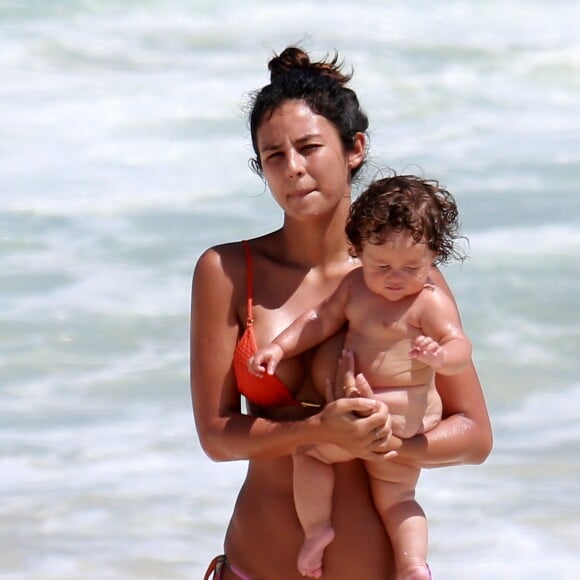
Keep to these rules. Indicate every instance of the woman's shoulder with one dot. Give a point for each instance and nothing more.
(229, 259)
(232, 251)
(221, 266)
(221, 253)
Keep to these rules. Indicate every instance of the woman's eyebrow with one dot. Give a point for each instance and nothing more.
(300, 141)
(308, 137)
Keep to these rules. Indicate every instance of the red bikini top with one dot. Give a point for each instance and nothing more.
(266, 391)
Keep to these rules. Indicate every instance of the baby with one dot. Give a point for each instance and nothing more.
(402, 329)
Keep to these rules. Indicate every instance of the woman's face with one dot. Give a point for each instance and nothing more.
(304, 162)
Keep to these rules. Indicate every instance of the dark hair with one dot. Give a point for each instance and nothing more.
(321, 85)
(409, 204)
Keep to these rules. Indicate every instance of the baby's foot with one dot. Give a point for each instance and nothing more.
(310, 555)
(415, 572)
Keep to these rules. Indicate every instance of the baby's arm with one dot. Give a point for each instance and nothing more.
(308, 330)
(266, 359)
(443, 346)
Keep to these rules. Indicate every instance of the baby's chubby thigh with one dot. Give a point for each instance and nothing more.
(328, 453)
(392, 482)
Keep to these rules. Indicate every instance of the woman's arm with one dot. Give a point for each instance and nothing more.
(226, 434)
(464, 435)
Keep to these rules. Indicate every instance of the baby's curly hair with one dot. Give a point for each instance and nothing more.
(408, 204)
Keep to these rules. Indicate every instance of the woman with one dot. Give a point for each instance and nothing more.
(308, 133)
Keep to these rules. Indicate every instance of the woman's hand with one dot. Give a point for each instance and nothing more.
(357, 422)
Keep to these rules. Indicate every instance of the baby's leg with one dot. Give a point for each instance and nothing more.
(313, 486)
(403, 517)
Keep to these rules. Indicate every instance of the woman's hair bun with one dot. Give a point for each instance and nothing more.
(294, 58)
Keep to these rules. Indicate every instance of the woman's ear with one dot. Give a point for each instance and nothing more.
(358, 152)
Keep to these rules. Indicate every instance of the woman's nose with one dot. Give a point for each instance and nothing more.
(295, 165)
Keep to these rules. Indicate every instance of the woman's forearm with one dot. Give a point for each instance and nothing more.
(464, 435)
(456, 440)
(237, 436)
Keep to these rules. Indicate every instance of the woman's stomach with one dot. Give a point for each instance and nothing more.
(264, 534)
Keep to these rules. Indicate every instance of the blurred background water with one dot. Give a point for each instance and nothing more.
(123, 154)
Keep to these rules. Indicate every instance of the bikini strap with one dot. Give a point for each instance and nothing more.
(216, 566)
(249, 283)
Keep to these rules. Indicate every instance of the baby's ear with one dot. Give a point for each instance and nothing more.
(352, 251)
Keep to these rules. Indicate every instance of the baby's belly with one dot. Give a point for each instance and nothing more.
(415, 409)
(404, 384)
(389, 365)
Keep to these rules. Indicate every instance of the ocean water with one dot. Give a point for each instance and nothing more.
(123, 154)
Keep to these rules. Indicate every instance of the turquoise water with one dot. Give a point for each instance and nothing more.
(123, 154)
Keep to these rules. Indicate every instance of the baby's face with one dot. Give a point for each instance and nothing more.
(397, 268)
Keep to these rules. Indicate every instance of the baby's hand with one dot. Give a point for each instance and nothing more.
(265, 360)
(428, 351)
